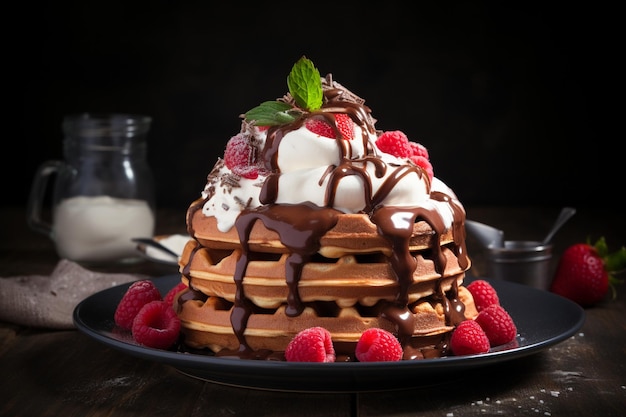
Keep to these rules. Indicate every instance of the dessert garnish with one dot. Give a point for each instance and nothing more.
(469, 338)
(156, 325)
(136, 296)
(378, 345)
(497, 325)
(150, 318)
(484, 294)
(311, 345)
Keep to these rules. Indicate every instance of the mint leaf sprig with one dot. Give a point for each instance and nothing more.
(305, 86)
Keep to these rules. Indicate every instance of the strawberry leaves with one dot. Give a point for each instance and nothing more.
(305, 86)
(614, 262)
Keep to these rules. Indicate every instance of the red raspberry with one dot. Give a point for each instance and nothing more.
(311, 345)
(344, 124)
(240, 157)
(497, 325)
(425, 164)
(156, 325)
(417, 149)
(169, 297)
(469, 339)
(395, 143)
(250, 171)
(484, 294)
(137, 295)
(378, 345)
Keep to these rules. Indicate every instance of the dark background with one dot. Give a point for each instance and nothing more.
(518, 104)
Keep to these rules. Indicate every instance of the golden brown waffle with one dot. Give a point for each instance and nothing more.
(343, 288)
(353, 234)
(207, 324)
(350, 279)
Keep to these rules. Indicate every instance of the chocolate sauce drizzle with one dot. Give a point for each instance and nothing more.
(300, 226)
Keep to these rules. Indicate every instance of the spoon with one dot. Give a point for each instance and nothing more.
(155, 244)
(566, 213)
(489, 236)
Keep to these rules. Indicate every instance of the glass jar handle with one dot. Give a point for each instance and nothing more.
(36, 197)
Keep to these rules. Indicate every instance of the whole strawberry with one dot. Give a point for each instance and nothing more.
(585, 272)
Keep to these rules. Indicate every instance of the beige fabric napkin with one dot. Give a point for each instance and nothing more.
(49, 301)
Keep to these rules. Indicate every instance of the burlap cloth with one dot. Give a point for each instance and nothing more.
(49, 301)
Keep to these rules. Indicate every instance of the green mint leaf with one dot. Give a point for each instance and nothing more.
(305, 85)
(271, 113)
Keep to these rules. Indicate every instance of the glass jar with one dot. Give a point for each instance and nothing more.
(103, 193)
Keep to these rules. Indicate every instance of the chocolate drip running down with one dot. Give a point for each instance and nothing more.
(301, 226)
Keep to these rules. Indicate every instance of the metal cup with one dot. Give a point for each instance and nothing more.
(521, 261)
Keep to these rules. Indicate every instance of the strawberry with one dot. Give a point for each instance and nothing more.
(156, 325)
(585, 272)
(311, 345)
(468, 338)
(497, 325)
(378, 345)
(136, 296)
(344, 124)
(483, 293)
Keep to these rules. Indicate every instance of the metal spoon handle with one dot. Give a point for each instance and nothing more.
(154, 244)
(564, 216)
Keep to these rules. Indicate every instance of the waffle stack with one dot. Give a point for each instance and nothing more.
(347, 286)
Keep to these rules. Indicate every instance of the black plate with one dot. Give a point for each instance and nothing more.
(543, 319)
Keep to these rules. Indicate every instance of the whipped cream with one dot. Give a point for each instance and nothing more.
(351, 176)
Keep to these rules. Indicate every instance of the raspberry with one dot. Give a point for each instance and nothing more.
(468, 339)
(425, 164)
(249, 171)
(311, 345)
(169, 297)
(136, 296)
(378, 345)
(156, 325)
(240, 156)
(344, 124)
(417, 149)
(497, 325)
(484, 294)
(394, 142)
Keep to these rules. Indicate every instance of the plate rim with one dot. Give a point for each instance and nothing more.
(290, 376)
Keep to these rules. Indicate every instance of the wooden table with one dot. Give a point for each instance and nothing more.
(66, 373)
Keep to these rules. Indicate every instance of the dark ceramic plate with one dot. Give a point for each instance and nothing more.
(543, 319)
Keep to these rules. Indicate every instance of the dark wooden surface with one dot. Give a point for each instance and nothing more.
(65, 373)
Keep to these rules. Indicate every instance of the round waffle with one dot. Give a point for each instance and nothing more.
(343, 288)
